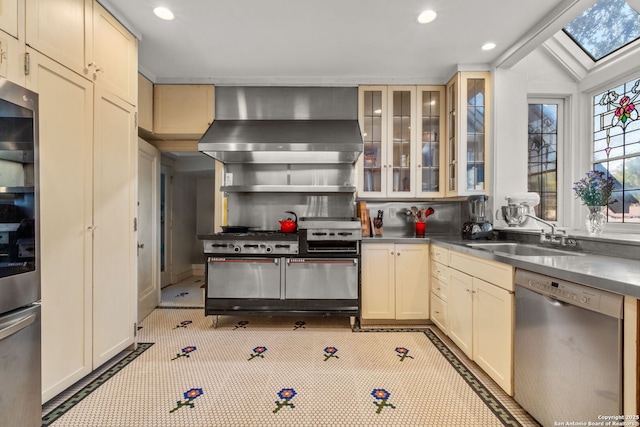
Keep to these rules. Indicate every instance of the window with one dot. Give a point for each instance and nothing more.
(605, 27)
(616, 148)
(544, 139)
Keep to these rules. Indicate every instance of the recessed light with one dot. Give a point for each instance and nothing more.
(163, 13)
(427, 16)
(488, 46)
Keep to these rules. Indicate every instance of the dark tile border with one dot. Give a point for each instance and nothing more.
(505, 417)
(85, 391)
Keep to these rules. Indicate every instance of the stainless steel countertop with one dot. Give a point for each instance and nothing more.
(615, 274)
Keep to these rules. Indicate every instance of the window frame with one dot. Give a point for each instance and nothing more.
(561, 141)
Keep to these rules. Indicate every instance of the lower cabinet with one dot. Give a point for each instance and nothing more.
(478, 315)
(395, 281)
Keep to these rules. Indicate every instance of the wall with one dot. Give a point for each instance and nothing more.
(184, 224)
(536, 75)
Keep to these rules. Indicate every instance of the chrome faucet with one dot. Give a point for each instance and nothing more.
(555, 233)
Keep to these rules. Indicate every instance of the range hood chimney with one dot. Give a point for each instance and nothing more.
(284, 125)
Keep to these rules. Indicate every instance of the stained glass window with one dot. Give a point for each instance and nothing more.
(543, 157)
(616, 149)
(605, 27)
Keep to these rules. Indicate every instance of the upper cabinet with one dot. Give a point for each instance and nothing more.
(430, 156)
(468, 111)
(9, 17)
(182, 111)
(115, 56)
(145, 103)
(63, 31)
(84, 37)
(401, 128)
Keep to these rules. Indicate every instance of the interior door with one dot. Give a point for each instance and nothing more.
(148, 228)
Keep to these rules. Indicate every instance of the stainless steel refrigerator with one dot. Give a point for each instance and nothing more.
(20, 344)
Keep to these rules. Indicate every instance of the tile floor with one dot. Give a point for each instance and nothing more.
(282, 371)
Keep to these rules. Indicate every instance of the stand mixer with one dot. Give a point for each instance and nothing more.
(477, 227)
(517, 209)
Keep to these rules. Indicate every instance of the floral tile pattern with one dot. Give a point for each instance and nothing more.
(240, 365)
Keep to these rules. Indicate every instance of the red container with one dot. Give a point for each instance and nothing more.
(288, 226)
(420, 228)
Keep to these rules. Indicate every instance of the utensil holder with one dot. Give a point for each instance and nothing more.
(421, 227)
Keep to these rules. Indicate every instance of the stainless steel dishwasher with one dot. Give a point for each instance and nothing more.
(567, 350)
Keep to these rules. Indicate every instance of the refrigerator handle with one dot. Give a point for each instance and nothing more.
(17, 326)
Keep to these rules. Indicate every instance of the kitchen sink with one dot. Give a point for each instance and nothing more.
(520, 249)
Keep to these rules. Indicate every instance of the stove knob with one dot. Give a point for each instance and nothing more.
(268, 249)
(236, 249)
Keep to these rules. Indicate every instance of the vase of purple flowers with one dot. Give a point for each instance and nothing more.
(595, 192)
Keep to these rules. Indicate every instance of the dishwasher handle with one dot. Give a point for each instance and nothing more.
(17, 326)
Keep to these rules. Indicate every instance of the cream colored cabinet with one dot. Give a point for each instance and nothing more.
(84, 37)
(395, 281)
(430, 156)
(182, 111)
(115, 56)
(63, 31)
(402, 127)
(87, 177)
(388, 122)
(9, 17)
(481, 314)
(66, 181)
(12, 59)
(145, 104)
(440, 279)
(114, 238)
(468, 125)
(493, 319)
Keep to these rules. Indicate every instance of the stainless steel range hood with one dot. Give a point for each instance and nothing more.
(284, 125)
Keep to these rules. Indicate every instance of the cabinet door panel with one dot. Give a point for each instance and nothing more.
(66, 131)
(62, 31)
(12, 59)
(412, 282)
(493, 332)
(182, 110)
(378, 289)
(372, 165)
(9, 17)
(115, 56)
(114, 272)
(460, 306)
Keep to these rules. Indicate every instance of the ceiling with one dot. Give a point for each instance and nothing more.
(334, 42)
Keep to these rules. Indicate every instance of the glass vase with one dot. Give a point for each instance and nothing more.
(595, 220)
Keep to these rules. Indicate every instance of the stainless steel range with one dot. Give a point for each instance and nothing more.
(315, 271)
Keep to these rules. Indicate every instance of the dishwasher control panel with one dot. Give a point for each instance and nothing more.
(573, 293)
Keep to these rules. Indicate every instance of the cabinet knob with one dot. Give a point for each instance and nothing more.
(392, 253)
(398, 253)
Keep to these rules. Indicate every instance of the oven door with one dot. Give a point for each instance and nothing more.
(247, 277)
(321, 278)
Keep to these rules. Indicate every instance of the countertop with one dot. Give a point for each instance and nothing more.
(615, 274)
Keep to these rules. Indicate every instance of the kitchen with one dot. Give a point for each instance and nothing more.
(532, 70)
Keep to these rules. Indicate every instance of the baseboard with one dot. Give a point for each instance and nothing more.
(197, 269)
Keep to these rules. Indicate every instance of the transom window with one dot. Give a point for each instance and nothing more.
(605, 27)
(616, 148)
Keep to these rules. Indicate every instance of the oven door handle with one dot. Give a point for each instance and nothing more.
(322, 261)
(275, 261)
(17, 326)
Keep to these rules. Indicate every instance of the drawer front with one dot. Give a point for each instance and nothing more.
(440, 272)
(494, 272)
(439, 313)
(440, 255)
(440, 288)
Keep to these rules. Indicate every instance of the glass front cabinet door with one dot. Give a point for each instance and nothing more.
(430, 154)
(372, 165)
(402, 127)
(468, 133)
